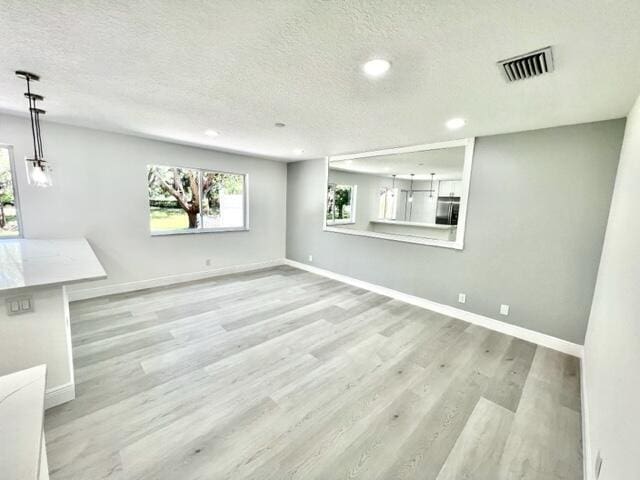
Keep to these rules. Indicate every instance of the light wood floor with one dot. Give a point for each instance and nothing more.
(281, 374)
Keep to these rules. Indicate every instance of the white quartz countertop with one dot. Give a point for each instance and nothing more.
(21, 417)
(38, 262)
(415, 224)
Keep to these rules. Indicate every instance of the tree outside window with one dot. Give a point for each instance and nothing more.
(341, 203)
(193, 199)
(9, 225)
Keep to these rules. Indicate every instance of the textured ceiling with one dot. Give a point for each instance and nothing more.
(172, 69)
(446, 163)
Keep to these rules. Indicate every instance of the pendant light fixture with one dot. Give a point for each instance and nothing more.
(38, 169)
(411, 188)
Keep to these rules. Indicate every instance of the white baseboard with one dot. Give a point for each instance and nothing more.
(490, 323)
(586, 437)
(86, 293)
(59, 395)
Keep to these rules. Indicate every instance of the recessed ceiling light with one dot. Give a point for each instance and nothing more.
(298, 151)
(456, 123)
(211, 133)
(376, 67)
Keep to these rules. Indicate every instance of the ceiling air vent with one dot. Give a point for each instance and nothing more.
(528, 65)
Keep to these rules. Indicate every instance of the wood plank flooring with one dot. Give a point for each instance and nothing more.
(282, 374)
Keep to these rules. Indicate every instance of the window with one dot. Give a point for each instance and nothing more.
(9, 218)
(341, 204)
(190, 200)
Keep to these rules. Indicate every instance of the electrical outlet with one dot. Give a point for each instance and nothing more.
(462, 298)
(18, 305)
(598, 465)
(504, 309)
(311, 258)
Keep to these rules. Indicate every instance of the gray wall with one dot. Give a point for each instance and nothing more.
(537, 213)
(100, 192)
(612, 347)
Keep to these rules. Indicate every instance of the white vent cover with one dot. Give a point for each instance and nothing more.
(528, 65)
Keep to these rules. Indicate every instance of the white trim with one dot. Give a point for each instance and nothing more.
(16, 193)
(586, 432)
(86, 293)
(67, 332)
(466, 183)
(59, 395)
(487, 322)
(354, 204)
(410, 149)
(197, 231)
(458, 243)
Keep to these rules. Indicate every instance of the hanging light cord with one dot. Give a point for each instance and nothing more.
(34, 115)
(33, 119)
(38, 135)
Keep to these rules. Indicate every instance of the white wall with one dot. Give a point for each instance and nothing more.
(366, 208)
(37, 337)
(100, 192)
(612, 346)
(424, 206)
(367, 198)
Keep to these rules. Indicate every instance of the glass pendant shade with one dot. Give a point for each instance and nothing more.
(38, 173)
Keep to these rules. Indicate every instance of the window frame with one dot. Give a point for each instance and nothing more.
(16, 194)
(191, 231)
(353, 204)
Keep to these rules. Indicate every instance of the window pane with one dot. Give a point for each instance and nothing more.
(223, 204)
(331, 190)
(8, 206)
(342, 202)
(173, 198)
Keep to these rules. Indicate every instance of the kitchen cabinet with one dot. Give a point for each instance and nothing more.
(450, 188)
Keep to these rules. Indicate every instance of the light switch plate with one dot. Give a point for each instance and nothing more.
(462, 298)
(18, 305)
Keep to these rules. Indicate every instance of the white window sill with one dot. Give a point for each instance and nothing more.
(195, 231)
(346, 222)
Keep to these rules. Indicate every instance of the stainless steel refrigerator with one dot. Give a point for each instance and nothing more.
(447, 210)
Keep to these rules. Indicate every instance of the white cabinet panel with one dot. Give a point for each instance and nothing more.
(450, 188)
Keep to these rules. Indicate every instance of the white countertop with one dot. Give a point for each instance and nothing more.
(31, 262)
(415, 224)
(21, 417)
